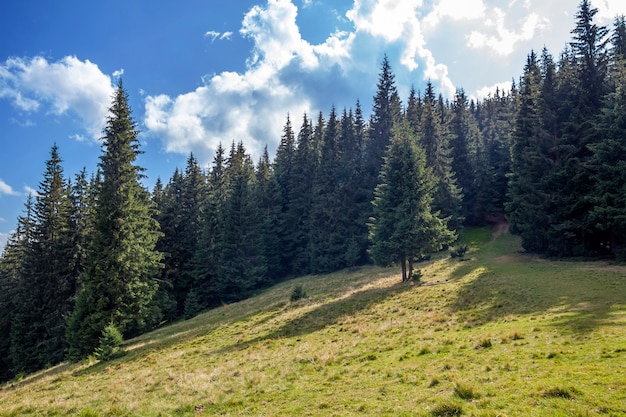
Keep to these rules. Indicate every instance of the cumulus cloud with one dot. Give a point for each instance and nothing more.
(65, 87)
(6, 189)
(251, 106)
(501, 39)
(490, 91)
(454, 10)
(609, 9)
(397, 21)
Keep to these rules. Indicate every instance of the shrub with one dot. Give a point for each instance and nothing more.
(298, 293)
(458, 251)
(110, 342)
(447, 410)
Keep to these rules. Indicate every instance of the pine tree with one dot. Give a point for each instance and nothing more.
(122, 267)
(527, 209)
(298, 215)
(240, 266)
(267, 196)
(283, 169)
(205, 260)
(386, 112)
(404, 226)
(46, 295)
(465, 141)
(608, 171)
(434, 139)
(326, 243)
(15, 268)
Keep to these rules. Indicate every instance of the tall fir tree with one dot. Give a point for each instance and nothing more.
(46, 295)
(240, 266)
(205, 259)
(465, 141)
(298, 215)
(267, 196)
(528, 206)
(15, 268)
(435, 141)
(404, 226)
(386, 112)
(122, 267)
(326, 243)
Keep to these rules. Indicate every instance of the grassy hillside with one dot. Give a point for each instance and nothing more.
(496, 334)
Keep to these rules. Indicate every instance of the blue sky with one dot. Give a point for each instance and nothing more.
(203, 72)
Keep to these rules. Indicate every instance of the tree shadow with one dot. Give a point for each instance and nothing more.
(325, 314)
(580, 295)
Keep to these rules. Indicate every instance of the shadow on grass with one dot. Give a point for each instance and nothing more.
(326, 314)
(579, 295)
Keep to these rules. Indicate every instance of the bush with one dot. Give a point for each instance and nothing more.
(458, 251)
(110, 342)
(298, 293)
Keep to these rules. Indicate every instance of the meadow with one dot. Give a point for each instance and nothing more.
(495, 333)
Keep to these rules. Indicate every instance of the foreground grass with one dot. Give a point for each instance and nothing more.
(497, 334)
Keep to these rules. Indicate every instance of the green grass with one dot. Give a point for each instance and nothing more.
(496, 333)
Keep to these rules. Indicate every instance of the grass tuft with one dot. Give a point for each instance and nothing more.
(465, 392)
(449, 409)
(559, 392)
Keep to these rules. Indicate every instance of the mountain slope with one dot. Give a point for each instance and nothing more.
(499, 333)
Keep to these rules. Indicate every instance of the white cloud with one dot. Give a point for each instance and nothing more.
(280, 79)
(504, 41)
(490, 91)
(397, 21)
(218, 35)
(609, 9)
(30, 191)
(118, 73)
(454, 10)
(68, 86)
(6, 189)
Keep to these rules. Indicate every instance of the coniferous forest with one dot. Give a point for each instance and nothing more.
(99, 251)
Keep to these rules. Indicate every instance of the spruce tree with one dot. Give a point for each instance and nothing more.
(205, 259)
(434, 139)
(386, 112)
(122, 266)
(240, 266)
(608, 171)
(465, 141)
(404, 226)
(298, 215)
(326, 236)
(527, 209)
(267, 196)
(46, 294)
(15, 268)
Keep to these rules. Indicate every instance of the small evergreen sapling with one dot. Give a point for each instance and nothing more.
(110, 344)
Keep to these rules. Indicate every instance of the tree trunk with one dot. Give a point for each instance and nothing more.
(404, 269)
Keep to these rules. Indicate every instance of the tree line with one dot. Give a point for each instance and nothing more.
(341, 191)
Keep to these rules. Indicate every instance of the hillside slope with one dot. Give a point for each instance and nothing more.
(499, 333)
